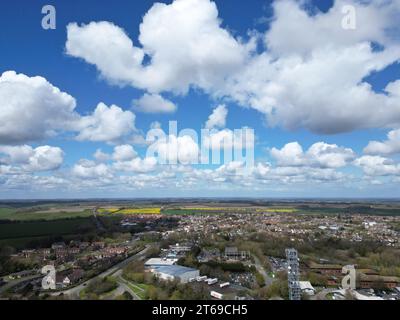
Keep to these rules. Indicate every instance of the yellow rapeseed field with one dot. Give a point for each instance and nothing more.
(140, 211)
(130, 210)
(278, 210)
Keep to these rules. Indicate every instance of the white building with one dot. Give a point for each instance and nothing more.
(306, 287)
(172, 272)
(341, 295)
(158, 262)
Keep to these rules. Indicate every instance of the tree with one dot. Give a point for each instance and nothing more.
(259, 279)
(151, 293)
(189, 261)
(125, 296)
(176, 295)
(278, 288)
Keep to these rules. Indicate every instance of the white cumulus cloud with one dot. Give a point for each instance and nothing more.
(310, 73)
(184, 40)
(378, 166)
(86, 169)
(32, 109)
(153, 103)
(390, 146)
(28, 159)
(108, 124)
(174, 150)
(124, 153)
(217, 118)
(147, 164)
(320, 154)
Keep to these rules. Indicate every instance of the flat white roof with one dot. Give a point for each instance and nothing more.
(174, 271)
(160, 262)
(357, 295)
(305, 285)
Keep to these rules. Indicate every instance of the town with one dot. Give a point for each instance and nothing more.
(210, 251)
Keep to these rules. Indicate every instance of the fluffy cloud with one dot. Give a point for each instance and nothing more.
(181, 39)
(108, 47)
(86, 169)
(16, 154)
(29, 182)
(217, 118)
(124, 153)
(45, 158)
(235, 174)
(291, 175)
(174, 150)
(227, 139)
(390, 146)
(32, 108)
(147, 164)
(378, 166)
(331, 97)
(330, 155)
(290, 155)
(28, 159)
(292, 23)
(106, 124)
(331, 62)
(320, 154)
(101, 156)
(153, 103)
(301, 175)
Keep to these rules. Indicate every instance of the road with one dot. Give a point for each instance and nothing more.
(267, 279)
(99, 224)
(73, 293)
(122, 287)
(124, 284)
(13, 283)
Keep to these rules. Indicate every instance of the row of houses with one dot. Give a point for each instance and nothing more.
(366, 278)
(69, 277)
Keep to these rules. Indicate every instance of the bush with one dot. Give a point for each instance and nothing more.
(101, 286)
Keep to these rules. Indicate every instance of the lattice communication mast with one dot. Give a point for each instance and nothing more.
(293, 274)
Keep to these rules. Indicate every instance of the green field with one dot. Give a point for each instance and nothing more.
(19, 234)
(6, 213)
(27, 215)
(20, 243)
(138, 289)
(186, 212)
(351, 210)
(42, 228)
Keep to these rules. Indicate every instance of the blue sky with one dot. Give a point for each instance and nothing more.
(323, 101)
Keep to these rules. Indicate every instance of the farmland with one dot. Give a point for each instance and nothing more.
(28, 214)
(42, 228)
(6, 213)
(20, 233)
(277, 210)
(130, 210)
